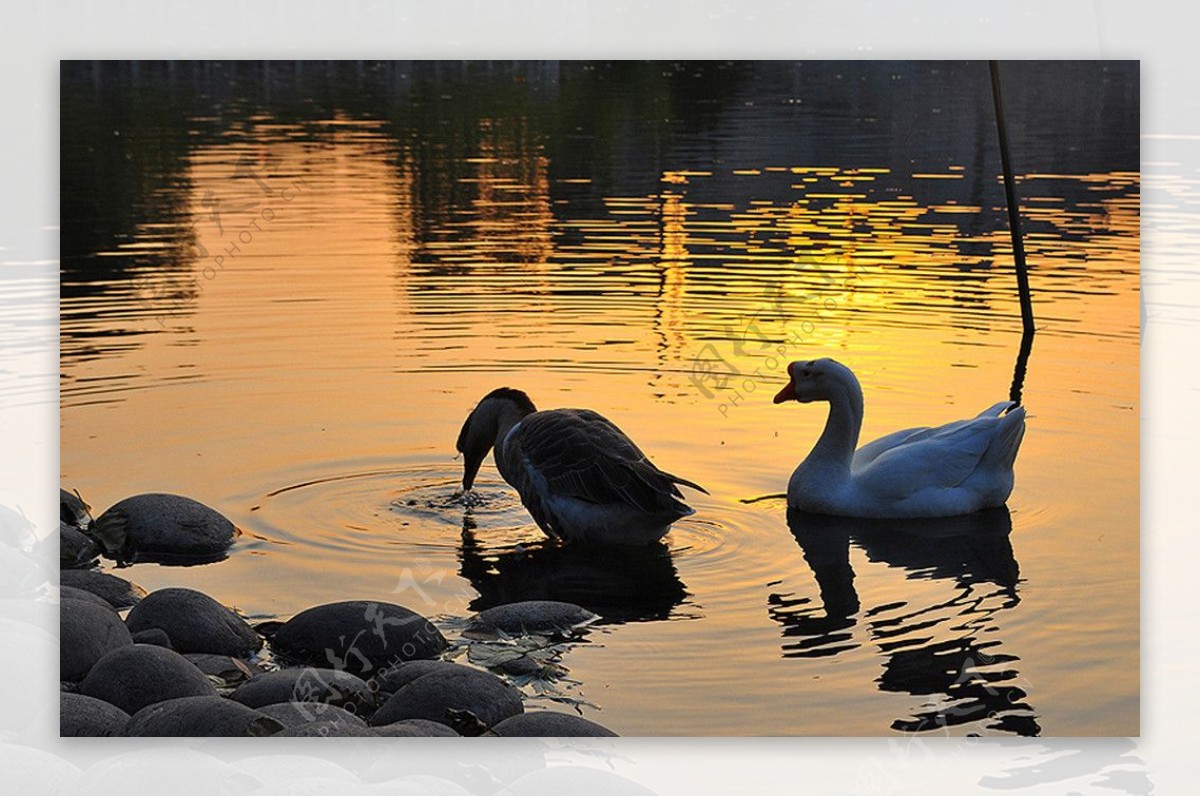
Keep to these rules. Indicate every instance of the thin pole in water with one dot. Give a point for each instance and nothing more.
(1014, 226)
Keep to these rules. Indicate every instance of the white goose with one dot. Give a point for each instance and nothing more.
(581, 478)
(942, 471)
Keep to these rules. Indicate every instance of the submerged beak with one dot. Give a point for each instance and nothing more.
(471, 465)
(787, 394)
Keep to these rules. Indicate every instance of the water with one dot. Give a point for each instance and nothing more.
(644, 240)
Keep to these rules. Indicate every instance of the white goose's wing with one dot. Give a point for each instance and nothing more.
(581, 454)
(938, 457)
(871, 451)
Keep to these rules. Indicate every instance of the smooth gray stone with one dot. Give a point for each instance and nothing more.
(72, 510)
(444, 695)
(307, 684)
(549, 723)
(414, 728)
(119, 593)
(229, 669)
(81, 715)
(76, 594)
(293, 713)
(160, 527)
(200, 716)
(390, 680)
(87, 633)
(331, 728)
(135, 676)
(153, 636)
(528, 617)
(357, 636)
(75, 549)
(195, 622)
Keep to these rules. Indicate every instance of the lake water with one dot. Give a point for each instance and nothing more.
(284, 286)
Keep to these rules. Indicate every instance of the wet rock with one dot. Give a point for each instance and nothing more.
(292, 714)
(135, 676)
(528, 617)
(200, 716)
(228, 669)
(414, 728)
(357, 636)
(467, 700)
(195, 622)
(159, 527)
(119, 593)
(87, 633)
(75, 549)
(330, 728)
(391, 680)
(549, 723)
(153, 636)
(72, 510)
(80, 715)
(521, 666)
(72, 593)
(307, 685)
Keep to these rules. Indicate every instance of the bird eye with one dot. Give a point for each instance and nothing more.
(805, 372)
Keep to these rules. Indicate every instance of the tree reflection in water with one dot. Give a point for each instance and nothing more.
(945, 652)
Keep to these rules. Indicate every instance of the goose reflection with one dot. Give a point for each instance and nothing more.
(620, 583)
(946, 652)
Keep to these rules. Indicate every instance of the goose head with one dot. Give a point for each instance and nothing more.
(493, 417)
(816, 380)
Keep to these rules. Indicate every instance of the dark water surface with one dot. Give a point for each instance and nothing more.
(284, 285)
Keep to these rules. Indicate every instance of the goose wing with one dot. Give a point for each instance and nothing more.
(871, 451)
(940, 457)
(583, 455)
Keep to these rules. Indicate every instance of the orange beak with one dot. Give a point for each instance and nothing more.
(788, 393)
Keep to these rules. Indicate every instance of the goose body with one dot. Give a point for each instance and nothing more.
(581, 478)
(941, 471)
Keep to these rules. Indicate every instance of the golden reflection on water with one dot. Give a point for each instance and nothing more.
(375, 301)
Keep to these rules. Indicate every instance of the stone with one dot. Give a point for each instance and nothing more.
(200, 716)
(391, 680)
(153, 636)
(75, 594)
(293, 713)
(81, 715)
(357, 636)
(75, 548)
(467, 700)
(549, 723)
(160, 527)
(72, 510)
(414, 728)
(119, 593)
(529, 617)
(87, 633)
(330, 728)
(228, 669)
(195, 622)
(135, 676)
(307, 685)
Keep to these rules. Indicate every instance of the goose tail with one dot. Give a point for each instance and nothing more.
(1010, 429)
(685, 482)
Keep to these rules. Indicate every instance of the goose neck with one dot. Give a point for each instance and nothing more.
(840, 438)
